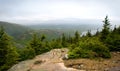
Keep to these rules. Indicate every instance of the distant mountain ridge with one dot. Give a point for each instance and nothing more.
(14, 29)
(68, 29)
(21, 31)
(24, 33)
(18, 32)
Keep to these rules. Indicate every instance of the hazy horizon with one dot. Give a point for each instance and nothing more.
(38, 11)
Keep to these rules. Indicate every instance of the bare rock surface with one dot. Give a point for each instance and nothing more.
(53, 61)
(50, 61)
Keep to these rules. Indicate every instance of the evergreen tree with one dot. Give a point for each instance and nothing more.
(63, 40)
(70, 39)
(114, 30)
(118, 30)
(77, 37)
(89, 33)
(43, 37)
(48, 45)
(106, 29)
(97, 33)
(8, 54)
(26, 53)
(113, 40)
(35, 43)
(38, 45)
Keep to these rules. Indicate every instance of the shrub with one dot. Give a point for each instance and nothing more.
(90, 48)
(26, 53)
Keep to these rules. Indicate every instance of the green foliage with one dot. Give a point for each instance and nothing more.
(43, 48)
(97, 33)
(35, 47)
(70, 39)
(80, 53)
(43, 37)
(8, 54)
(77, 37)
(64, 39)
(106, 23)
(106, 29)
(90, 48)
(110, 38)
(56, 44)
(98, 45)
(89, 33)
(113, 40)
(26, 53)
(35, 44)
(38, 44)
(18, 32)
(101, 50)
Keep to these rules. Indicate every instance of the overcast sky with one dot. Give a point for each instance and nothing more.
(25, 11)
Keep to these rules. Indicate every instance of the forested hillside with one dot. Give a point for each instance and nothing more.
(24, 34)
(14, 29)
(18, 32)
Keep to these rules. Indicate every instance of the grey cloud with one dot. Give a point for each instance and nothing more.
(11, 8)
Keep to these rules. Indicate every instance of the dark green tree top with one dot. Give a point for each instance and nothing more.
(106, 24)
(77, 37)
(8, 53)
(89, 33)
(106, 29)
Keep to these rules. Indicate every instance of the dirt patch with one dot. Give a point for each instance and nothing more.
(112, 64)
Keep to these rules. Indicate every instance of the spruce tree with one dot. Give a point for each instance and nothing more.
(89, 33)
(27, 53)
(70, 39)
(43, 37)
(106, 29)
(97, 33)
(8, 54)
(38, 44)
(114, 30)
(77, 37)
(34, 43)
(63, 40)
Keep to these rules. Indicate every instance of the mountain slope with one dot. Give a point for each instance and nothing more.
(14, 29)
(68, 26)
(18, 32)
(24, 34)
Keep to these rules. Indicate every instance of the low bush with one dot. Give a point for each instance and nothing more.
(90, 48)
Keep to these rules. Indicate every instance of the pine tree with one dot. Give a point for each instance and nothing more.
(8, 54)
